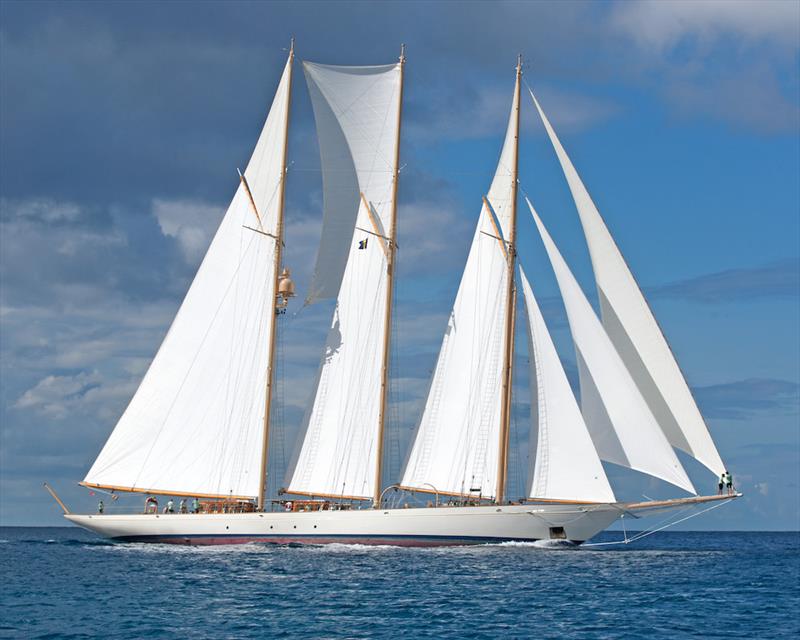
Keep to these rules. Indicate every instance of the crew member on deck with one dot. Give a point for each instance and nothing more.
(170, 506)
(195, 505)
(728, 482)
(721, 484)
(100, 507)
(182, 505)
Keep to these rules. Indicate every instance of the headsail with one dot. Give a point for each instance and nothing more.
(564, 463)
(356, 111)
(456, 446)
(622, 426)
(633, 329)
(195, 425)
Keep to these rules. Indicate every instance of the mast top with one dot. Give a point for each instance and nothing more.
(291, 46)
(519, 64)
(402, 54)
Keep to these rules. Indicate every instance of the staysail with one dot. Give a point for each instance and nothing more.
(195, 424)
(456, 446)
(564, 463)
(621, 423)
(633, 329)
(356, 111)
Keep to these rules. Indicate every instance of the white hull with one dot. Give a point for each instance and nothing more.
(400, 527)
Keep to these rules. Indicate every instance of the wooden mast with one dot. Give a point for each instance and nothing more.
(273, 332)
(387, 320)
(511, 297)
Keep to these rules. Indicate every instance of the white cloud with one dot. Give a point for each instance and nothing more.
(191, 222)
(44, 209)
(86, 393)
(658, 25)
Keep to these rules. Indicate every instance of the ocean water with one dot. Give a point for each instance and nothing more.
(67, 583)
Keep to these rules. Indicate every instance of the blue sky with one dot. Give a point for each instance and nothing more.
(122, 125)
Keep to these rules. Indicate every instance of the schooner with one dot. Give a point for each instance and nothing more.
(199, 424)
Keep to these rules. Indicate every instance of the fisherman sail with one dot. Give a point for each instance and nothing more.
(199, 424)
(357, 110)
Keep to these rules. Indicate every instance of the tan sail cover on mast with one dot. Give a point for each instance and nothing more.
(633, 329)
(195, 424)
(623, 428)
(455, 449)
(563, 461)
(355, 109)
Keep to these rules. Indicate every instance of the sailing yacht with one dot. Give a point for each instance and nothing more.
(199, 424)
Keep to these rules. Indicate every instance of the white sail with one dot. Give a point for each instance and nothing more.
(195, 425)
(633, 329)
(455, 449)
(564, 463)
(621, 423)
(356, 114)
(355, 109)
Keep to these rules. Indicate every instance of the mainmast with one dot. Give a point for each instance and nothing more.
(273, 331)
(511, 297)
(387, 322)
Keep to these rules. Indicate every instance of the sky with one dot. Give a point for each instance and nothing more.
(122, 124)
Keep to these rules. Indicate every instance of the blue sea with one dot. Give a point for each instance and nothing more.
(67, 583)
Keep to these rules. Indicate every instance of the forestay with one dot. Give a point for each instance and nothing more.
(356, 112)
(633, 329)
(195, 425)
(455, 449)
(564, 463)
(622, 426)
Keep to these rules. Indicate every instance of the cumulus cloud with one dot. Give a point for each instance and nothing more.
(659, 25)
(191, 222)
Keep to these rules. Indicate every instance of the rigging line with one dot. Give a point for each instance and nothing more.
(650, 532)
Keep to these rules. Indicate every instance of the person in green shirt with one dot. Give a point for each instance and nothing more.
(728, 482)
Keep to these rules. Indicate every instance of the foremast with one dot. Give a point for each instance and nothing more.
(273, 332)
(387, 326)
(511, 297)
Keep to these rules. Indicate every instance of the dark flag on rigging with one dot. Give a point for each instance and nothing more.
(362, 244)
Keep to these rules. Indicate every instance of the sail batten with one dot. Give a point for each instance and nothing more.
(623, 428)
(356, 112)
(633, 328)
(195, 424)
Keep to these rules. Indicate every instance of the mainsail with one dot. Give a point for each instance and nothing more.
(456, 449)
(357, 115)
(564, 463)
(621, 423)
(195, 424)
(633, 329)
